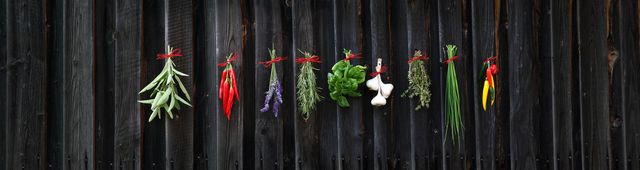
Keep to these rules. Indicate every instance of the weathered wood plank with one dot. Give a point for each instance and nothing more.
(104, 86)
(327, 109)
(555, 47)
(268, 126)
(436, 155)
(206, 91)
(399, 120)
(484, 30)
(25, 70)
(545, 113)
(625, 74)
(377, 40)
(523, 135)
(229, 39)
(55, 84)
(348, 34)
(450, 20)
(179, 34)
(78, 90)
(307, 132)
(153, 150)
(593, 88)
(127, 55)
(418, 29)
(3, 78)
(503, 101)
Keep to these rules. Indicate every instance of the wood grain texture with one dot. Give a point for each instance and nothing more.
(55, 84)
(484, 46)
(179, 34)
(268, 128)
(436, 156)
(3, 78)
(593, 89)
(418, 18)
(523, 136)
(229, 30)
(206, 91)
(25, 69)
(328, 116)
(399, 120)
(377, 25)
(555, 46)
(307, 132)
(127, 51)
(78, 88)
(348, 34)
(626, 83)
(104, 86)
(153, 133)
(451, 31)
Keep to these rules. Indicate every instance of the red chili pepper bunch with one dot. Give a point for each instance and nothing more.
(490, 69)
(228, 85)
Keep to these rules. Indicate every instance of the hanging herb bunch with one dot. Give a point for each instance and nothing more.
(228, 85)
(165, 93)
(275, 88)
(453, 117)
(419, 80)
(345, 78)
(307, 90)
(376, 84)
(489, 89)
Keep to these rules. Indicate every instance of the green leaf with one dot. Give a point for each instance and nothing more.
(165, 96)
(150, 101)
(179, 73)
(183, 101)
(153, 115)
(148, 87)
(184, 90)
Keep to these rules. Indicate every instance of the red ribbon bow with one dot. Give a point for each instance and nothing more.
(352, 56)
(313, 59)
(267, 64)
(382, 70)
(421, 57)
(450, 60)
(174, 53)
(490, 59)
(233, 58)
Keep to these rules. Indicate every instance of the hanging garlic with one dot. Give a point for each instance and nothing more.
(384, 90)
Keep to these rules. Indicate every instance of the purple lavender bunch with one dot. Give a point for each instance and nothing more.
(274, 87)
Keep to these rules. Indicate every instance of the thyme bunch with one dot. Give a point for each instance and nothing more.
(419, 81)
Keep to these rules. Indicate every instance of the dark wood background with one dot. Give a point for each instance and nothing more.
(568, 92)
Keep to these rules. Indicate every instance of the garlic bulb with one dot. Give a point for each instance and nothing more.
(384, 90)
(378, 100)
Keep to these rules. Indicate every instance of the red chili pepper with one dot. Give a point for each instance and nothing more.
(229, 104)
(225, 94)
(235, 85)
(224, 75)
(494, 69)
(489, 77)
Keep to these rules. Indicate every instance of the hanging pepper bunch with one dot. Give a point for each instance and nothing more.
(345, 78)
(165, 93)
(228, 86)
(419, 80)
(489, 89)
(275, 88)
(453, 117)
(307, 90)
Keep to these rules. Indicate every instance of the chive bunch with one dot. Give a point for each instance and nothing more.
(453, 117)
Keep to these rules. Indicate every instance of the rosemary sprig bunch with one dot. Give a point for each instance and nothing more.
(307, 92)
(275, 88)
(165, 93)
(419, 81)
(453, 117)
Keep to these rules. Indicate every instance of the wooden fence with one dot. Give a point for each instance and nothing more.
(568, 93)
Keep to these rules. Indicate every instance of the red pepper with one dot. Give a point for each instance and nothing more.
(225, 93)
(224, 75)
(489, 77)
(229, 104)
(235, 85)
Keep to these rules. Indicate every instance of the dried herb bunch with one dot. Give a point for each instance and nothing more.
(275, 88)
(307, 92)
(453, 117)
(419, 81)
(165, 93)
